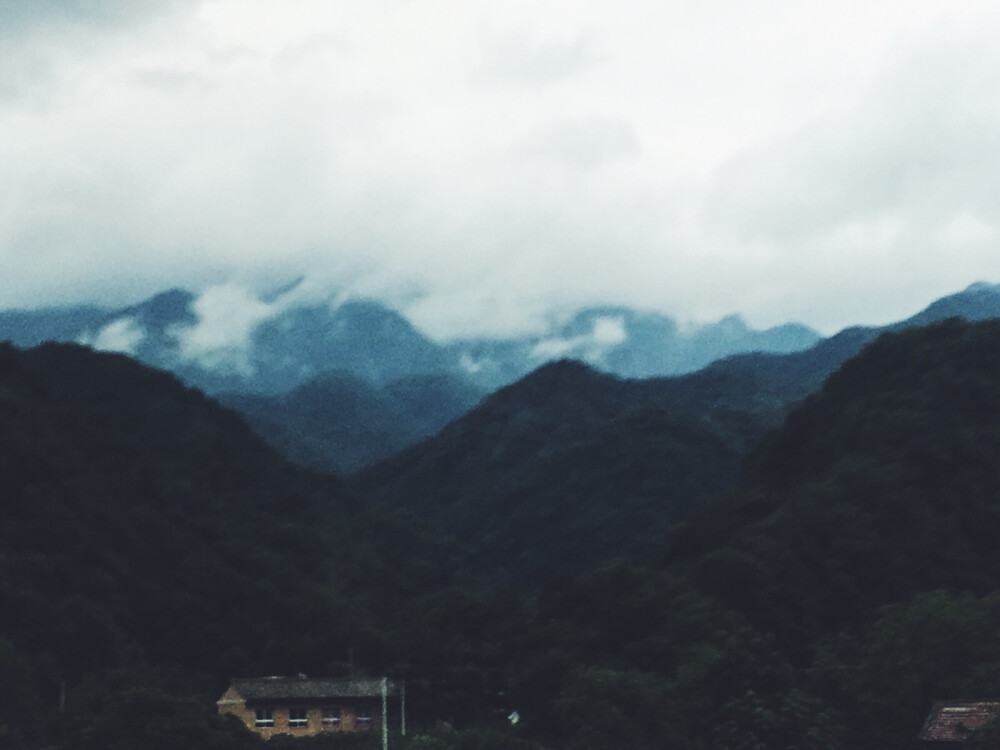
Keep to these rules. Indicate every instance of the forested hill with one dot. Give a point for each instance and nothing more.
(569, 466)
(844, 582)
(880, 485)
(850, 579)
(144, 526)
(864, 539)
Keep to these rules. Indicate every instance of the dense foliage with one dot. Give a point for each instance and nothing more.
(844, 583)
(144, 526)
(150, 547)
(569, 466)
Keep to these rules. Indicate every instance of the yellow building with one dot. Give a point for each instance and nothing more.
(304, 706)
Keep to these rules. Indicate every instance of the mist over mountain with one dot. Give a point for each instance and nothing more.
(340, 386)
(796, 374)
(627, 343)
(227, 340)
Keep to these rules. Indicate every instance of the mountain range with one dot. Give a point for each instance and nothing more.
(340, 387)
(837, 576)
(616, 460)
(286, 343)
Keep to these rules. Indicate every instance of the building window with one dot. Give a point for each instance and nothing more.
(296, 717)
(263, 717)
(331, 715)
(363, 720)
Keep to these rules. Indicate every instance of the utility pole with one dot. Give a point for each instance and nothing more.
(385, 714)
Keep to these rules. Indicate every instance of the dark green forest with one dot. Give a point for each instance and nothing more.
(825, 567)
(569, 466)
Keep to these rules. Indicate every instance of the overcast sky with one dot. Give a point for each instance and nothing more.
(478, 165)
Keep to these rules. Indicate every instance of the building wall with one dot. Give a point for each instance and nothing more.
(233, 704)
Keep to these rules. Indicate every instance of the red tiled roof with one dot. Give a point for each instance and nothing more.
(951, 721)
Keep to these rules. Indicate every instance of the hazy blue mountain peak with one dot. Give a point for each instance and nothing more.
(227, 339)
(733, 322)
(981, 286)
(561, 371)
(979, 301)
(170, 307)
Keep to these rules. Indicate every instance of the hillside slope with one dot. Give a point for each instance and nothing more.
(570, 466)
(146, 526)
(847, 581)
(891, 467)
(872, 519)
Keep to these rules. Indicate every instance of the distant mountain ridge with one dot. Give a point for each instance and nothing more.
(340, 423)
(287, 344)
(341, 386)
(627, 343)
(338, 387)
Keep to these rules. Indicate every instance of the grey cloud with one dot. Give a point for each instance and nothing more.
(583, 141)
(854, 215)
(226, 316)
(921, 142)
(37, 36)
(18, 18)
(22, 73)
(607, 332)
(122, 335)
(168, 79)
(475, 193)
(315, 50)
(513, 57)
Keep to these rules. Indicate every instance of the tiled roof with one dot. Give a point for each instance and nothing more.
(271, 688)
(951, 721)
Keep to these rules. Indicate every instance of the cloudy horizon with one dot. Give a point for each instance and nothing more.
(478, 166)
